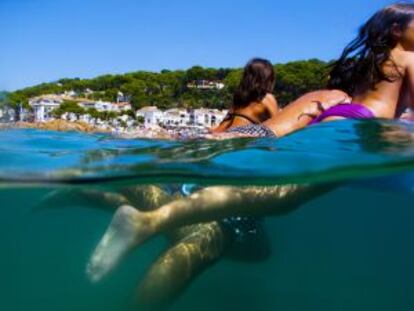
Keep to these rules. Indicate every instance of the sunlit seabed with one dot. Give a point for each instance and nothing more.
(348, 250)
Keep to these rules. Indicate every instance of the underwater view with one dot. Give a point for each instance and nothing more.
(190, 156)
(347, 248)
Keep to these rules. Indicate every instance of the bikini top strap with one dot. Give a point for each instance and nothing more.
(234, 114)
(231, 115)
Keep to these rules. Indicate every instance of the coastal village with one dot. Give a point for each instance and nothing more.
(119, 116)
(143, 103)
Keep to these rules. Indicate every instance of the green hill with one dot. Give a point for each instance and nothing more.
(3, 97)
(170, 89)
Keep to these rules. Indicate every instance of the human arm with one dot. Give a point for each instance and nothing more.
(302, 111)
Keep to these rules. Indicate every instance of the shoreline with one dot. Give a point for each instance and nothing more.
(82, 127)
(55, 125)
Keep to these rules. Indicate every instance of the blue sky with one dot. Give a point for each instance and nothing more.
(44, 40)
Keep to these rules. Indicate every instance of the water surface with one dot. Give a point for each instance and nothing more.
(347, 250)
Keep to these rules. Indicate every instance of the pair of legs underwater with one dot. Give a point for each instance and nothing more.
(205, 242)
(131, 227)
(192, 248)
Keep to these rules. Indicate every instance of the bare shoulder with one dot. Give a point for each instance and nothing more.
(404, 60)
(270, 96)
(407, 59)
(269, 99)
(271, 104)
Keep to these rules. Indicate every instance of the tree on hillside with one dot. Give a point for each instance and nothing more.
(93, 113)
(140, 120)
(296, 78)
(199, 73)
(137, 91)
(68, 107)
(3, 98)
(168, 89)
(233, 80)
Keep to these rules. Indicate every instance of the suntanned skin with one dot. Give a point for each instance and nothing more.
(293, 117)
(301, 112)
(129, 227)
(390, 99)
(387, 100)
(192, 249)
(257, 111)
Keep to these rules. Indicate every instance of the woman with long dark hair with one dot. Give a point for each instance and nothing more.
(255, 111)
(376, 70)
(253, 101)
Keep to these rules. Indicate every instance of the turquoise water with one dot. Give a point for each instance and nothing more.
(350, 249)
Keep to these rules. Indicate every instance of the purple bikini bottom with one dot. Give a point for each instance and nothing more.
(348, 111)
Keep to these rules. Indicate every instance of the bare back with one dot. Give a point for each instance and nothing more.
(261, 111)
(255, 111)
(390, 99)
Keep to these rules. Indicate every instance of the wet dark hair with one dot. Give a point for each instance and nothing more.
(360, 66)
(257, 81)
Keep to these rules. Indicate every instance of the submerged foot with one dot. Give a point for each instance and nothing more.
(128, 228)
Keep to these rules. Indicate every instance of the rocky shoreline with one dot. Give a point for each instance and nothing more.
(59, 125)
(79, 126)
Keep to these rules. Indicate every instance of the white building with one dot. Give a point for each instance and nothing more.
(206, 85)
(70, 93)
(181, 117)
(152, 116)
(121, 97)
(87, 104)
(122, 106)
(207, 117)
(88, 91)
(44, 105)
(69, 116)
(176, 117)
(7, 114)
(87, 118)
(106, 106)
(127, 120)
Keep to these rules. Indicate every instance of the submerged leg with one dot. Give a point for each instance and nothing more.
(64, 198)
(174, 270)
(148, 197)
(130, 227)
(193, 249)
(118, 239)
(122, 229)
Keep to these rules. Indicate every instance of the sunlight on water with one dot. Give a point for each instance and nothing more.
(348, 148)
(347, 250)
